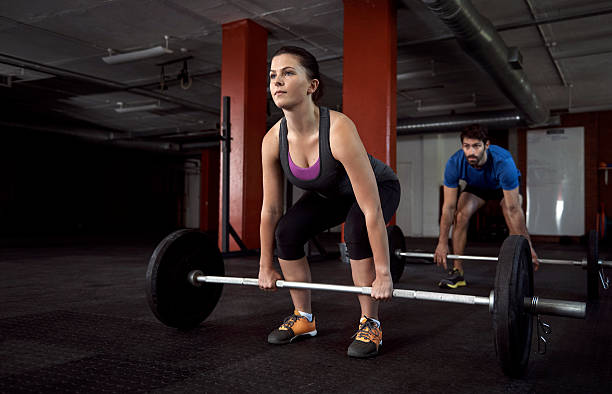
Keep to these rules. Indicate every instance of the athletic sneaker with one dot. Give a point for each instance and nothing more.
(453, 280)
(293, 327)
(368, 339)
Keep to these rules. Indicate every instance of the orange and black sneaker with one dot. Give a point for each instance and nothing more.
(368, 339)
(293, 327)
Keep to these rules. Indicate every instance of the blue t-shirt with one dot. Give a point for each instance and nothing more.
(499, 170)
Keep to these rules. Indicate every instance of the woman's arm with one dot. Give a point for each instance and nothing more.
(271, 208)
(347, 148)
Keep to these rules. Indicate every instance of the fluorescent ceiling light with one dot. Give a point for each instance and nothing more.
(137, 55)
(443, 107)
(415, 74)
(136, 108)
(431, 72)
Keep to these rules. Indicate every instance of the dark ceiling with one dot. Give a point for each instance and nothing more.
(53, 78)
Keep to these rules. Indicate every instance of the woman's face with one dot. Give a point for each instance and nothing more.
(289, 82)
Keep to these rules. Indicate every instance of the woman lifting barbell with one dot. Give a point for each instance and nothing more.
(320, 151)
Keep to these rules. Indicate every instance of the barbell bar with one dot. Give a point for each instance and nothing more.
(581, 263)
(534, 305)
(185, 279)
(593, 265)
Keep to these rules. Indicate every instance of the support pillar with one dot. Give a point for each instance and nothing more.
(244, 79)
(209, 191)
(369, 86)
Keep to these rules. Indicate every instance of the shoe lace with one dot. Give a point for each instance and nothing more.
(290, 321)
(367, 329)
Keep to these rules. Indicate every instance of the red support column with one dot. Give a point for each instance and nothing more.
(209, 191)
(244, 79)
(369, 81)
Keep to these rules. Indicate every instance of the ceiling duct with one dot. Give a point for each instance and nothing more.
(497, 120)
(481, 41)
(436, 124)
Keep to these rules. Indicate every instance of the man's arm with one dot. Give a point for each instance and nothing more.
(449, 208)
(515, 219)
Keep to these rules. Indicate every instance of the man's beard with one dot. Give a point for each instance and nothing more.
(477, 159)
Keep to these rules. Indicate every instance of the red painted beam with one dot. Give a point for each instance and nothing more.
(244, 80)
(369, 85)
(369, 75)
(209, 191)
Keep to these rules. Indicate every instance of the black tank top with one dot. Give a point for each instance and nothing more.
(332, 180)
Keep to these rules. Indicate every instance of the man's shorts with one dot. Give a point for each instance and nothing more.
(485, 194)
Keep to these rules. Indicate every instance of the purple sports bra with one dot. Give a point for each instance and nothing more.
(305, 174)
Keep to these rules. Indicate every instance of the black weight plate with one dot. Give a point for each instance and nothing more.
(172, 298)
(512, 325)
(593, 266)
(396, 242)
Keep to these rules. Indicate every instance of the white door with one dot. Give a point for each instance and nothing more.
(404, 211)
(410, 173)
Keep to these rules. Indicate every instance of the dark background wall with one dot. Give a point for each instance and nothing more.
(52, 184)
(57, 185)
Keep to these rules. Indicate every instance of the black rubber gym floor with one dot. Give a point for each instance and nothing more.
(74, 318)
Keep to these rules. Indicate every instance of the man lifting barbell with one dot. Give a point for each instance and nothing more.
(490, 174)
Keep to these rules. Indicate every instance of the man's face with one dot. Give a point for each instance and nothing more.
(475, 151)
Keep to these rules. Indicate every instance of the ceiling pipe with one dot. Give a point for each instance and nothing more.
(511, 26)
(481, 41)
(436, 124)
(497, 120)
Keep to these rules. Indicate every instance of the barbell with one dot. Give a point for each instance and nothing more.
(593, 265)
(185, 279)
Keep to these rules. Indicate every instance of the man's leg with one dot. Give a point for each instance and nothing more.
(467, 205)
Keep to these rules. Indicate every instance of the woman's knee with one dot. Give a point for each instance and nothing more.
(354, 234)
(289, 242)
(357, 241)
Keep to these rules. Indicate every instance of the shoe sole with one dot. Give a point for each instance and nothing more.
(369, 355)
(306, 334)
(452, 286)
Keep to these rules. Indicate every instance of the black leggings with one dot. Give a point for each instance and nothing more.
(313, 213)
